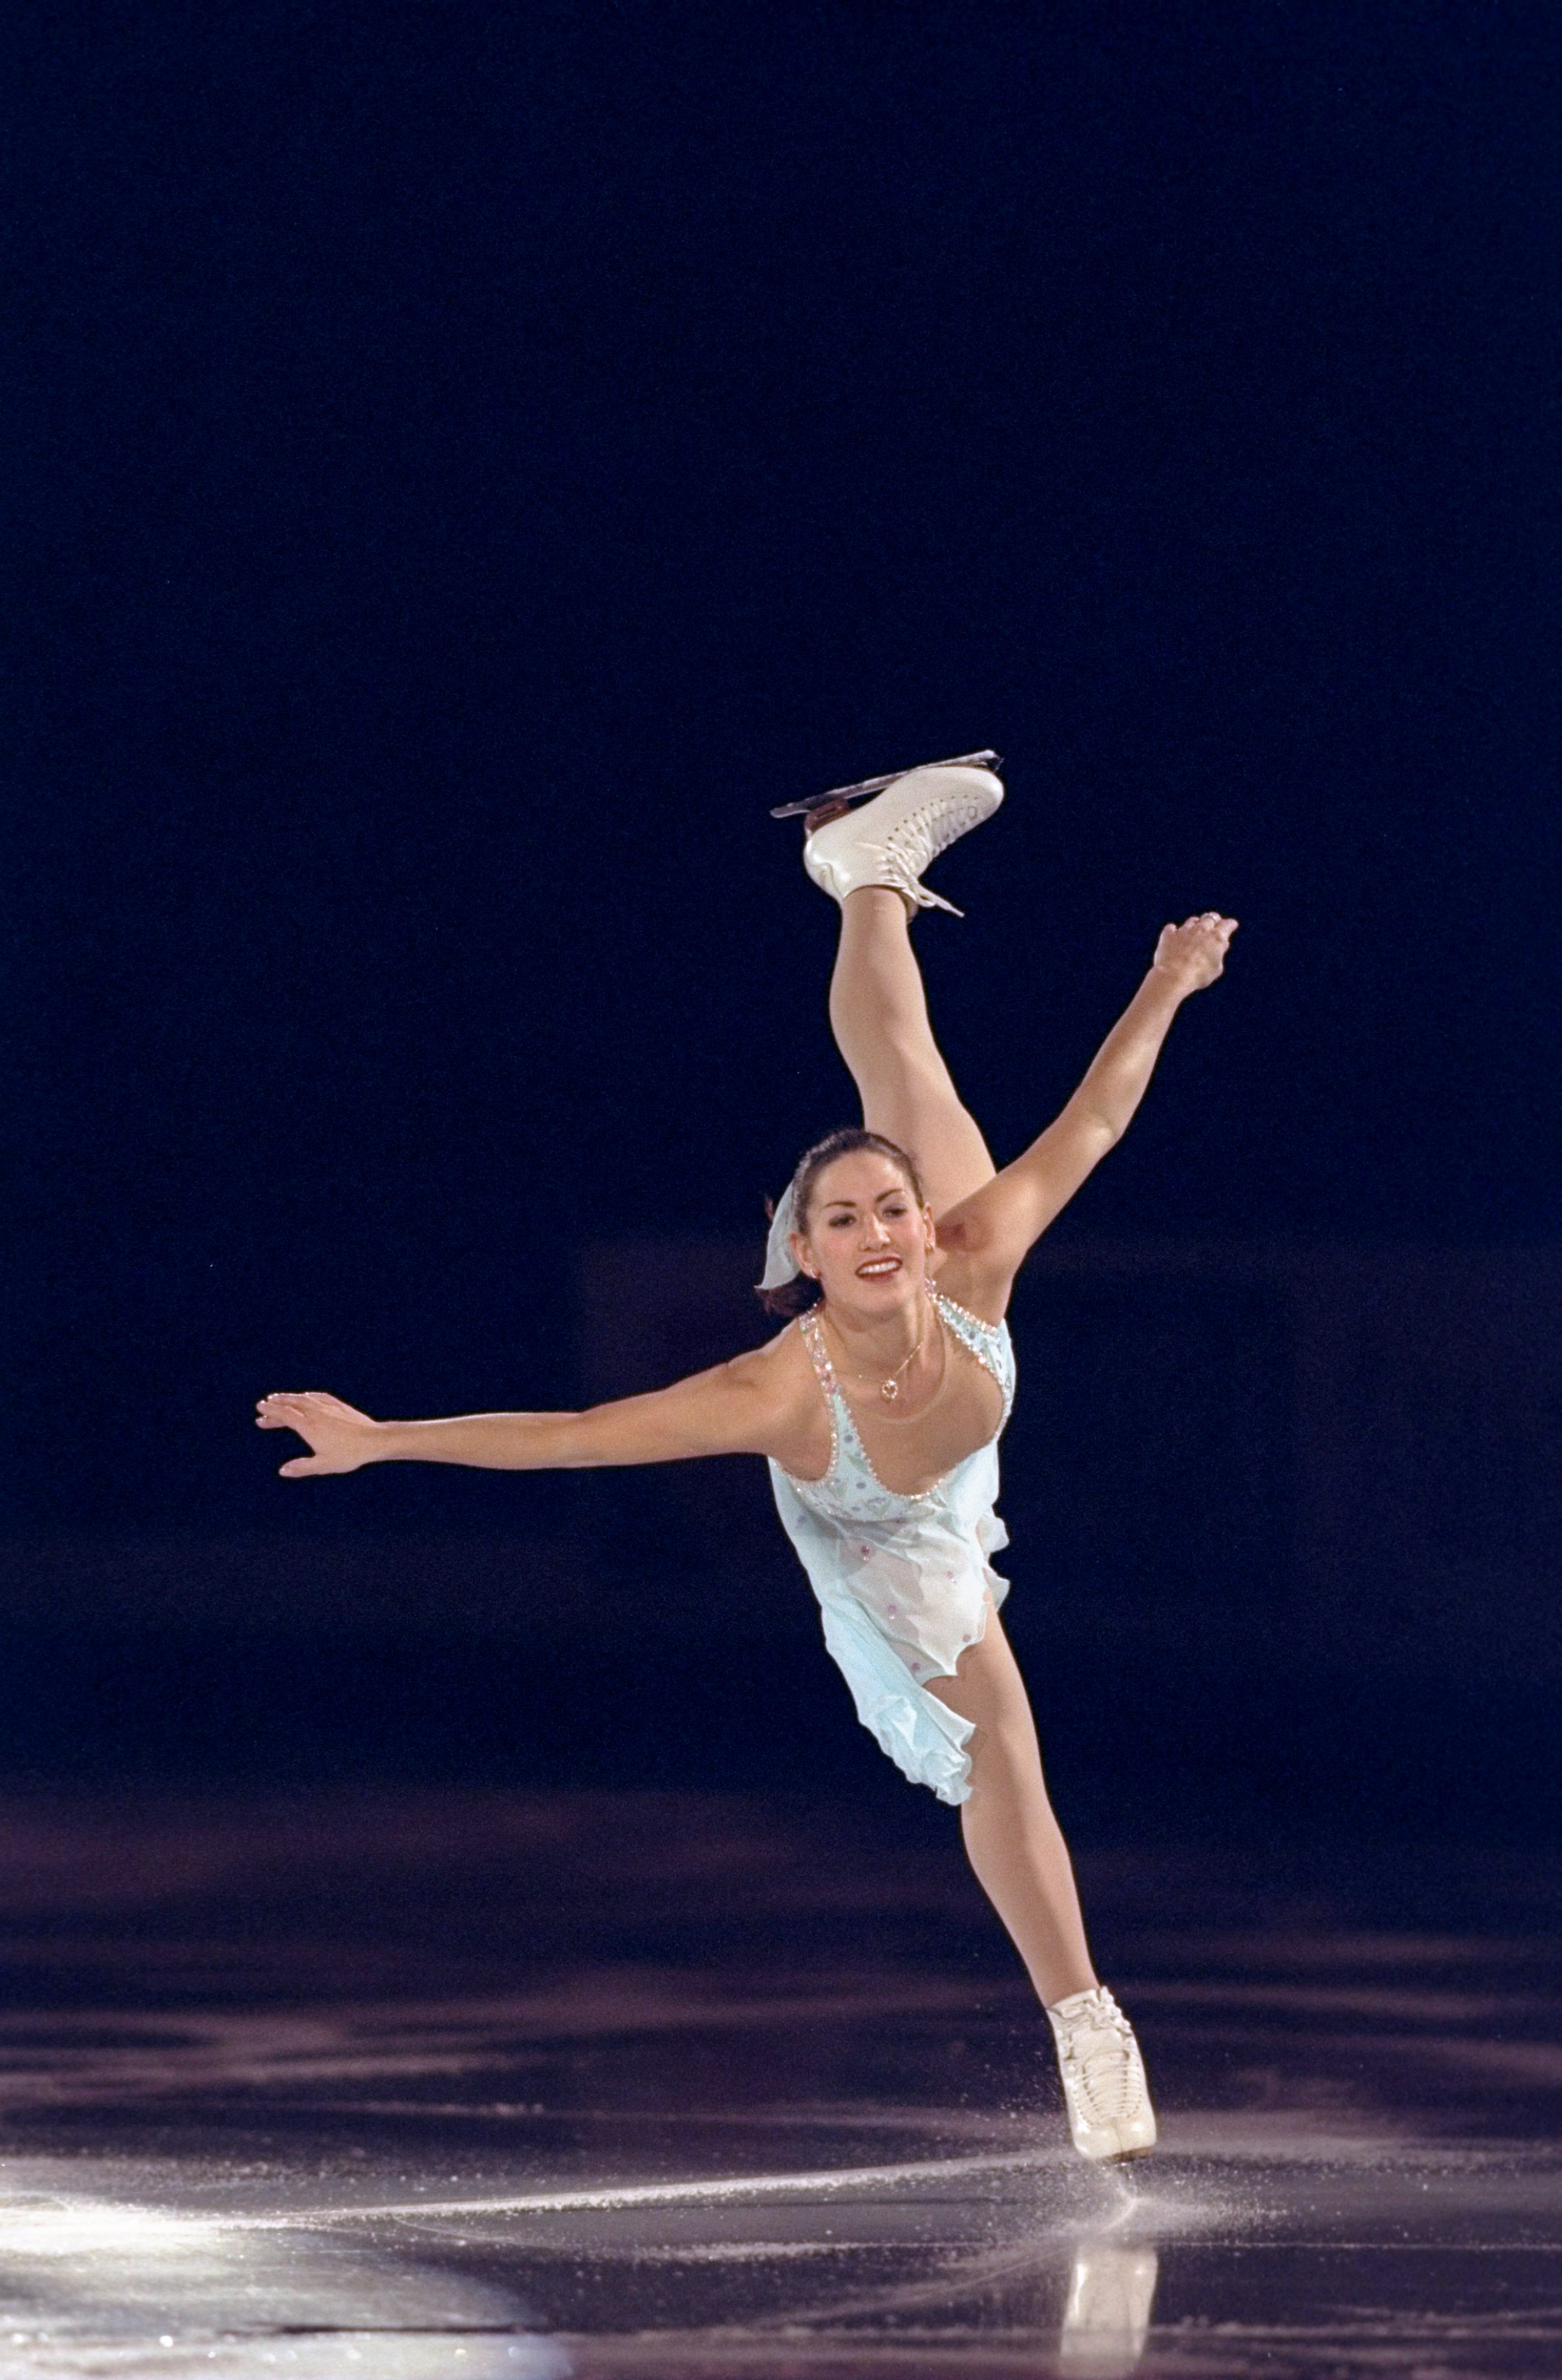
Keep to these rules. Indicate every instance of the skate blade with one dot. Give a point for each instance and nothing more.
(866, 785)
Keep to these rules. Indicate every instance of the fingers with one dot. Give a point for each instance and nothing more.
(283, 1410)
(1194, 953)
(296, 1409)
(292, 1410)
(1209, 928)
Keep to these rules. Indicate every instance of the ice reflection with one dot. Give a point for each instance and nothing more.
(340, 2355)
(94, 2231)
(1107, 2320)
(85, 2269)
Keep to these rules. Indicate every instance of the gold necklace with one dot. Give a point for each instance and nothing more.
(890, 1390)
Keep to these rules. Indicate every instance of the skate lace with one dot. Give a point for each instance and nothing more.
(1099, 2060)
(917, 841)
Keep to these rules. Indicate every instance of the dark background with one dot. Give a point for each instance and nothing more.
(472, 463)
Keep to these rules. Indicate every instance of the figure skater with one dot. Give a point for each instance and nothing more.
(878, 1407)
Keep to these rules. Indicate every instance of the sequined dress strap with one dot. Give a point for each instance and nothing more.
(988, 1342)
(819, 1355)
(843, 1429)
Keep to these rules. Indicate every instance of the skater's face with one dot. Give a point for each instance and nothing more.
(865, 1238)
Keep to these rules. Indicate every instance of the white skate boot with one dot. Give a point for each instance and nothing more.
(891, 839)
(1104, 2085)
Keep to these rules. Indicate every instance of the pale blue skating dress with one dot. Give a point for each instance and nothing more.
(904, 1582)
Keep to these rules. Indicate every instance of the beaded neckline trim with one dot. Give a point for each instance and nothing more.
(824, 1371)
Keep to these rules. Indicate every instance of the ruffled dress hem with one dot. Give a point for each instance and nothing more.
(912, 1727)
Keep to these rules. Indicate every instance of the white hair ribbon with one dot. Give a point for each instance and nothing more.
(780, 1264)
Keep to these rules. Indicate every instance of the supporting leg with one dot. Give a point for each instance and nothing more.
(1012, 1838)
(878, 1012)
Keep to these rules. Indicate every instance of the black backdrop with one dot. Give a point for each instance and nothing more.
(473, 461)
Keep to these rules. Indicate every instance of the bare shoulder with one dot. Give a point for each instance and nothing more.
(794, 1425)
(779, 1373)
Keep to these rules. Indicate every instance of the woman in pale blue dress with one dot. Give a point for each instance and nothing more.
(878, 1407)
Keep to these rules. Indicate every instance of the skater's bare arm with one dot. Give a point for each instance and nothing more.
(995, 1227)
(733, 1409)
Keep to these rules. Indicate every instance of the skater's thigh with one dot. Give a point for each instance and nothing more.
(988, 1689)
(940, 1136)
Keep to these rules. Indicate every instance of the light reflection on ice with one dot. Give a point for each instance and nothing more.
(914, 2240)
(97, 2228)
(740, 2187)
(340, 2355)
(96, 2286)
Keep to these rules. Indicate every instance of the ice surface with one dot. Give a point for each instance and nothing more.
(683, 2086)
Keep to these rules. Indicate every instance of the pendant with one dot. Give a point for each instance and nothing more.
(890, 1390)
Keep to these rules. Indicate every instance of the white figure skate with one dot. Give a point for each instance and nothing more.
(1104, 2086)
(898, 833)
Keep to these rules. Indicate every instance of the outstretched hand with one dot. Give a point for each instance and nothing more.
(1194, 953)
(339, 1436)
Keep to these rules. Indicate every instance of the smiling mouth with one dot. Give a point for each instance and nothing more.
(878, 1267)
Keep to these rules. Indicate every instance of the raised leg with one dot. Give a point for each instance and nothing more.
(878, 1012)
(1012, 1839)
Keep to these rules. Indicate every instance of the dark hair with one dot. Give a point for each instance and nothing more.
(794, 1297)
